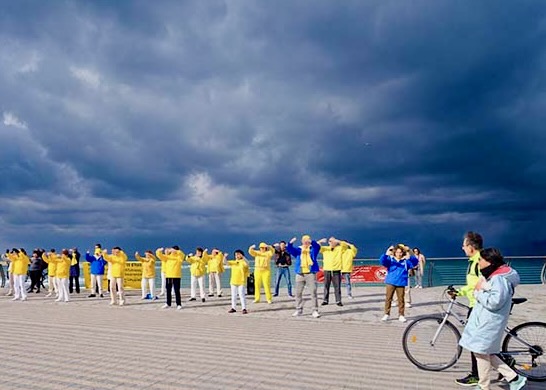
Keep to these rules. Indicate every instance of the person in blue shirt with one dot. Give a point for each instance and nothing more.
(398, 261)
(97, 271)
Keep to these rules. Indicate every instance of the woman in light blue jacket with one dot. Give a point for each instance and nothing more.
(485, 328)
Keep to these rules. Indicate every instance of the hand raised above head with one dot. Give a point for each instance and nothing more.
(292, 240)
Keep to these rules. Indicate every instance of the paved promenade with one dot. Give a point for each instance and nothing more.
(86, 344)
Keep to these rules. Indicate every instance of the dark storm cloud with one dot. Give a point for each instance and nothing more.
(244, 121)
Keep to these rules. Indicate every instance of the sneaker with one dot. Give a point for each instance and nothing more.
(219, 295)
(350, 297)
(165, 306)
(468, 381)
(191, 299)
(275, 295)
(232, 310)
(89, 296)
(121, 303)
(324, 303)
(210, 295)
(244, 311)
(161, 294)
(143, 298)
(178, 307)
(156, 298)
(316, 314)
(112, 303)
(518, 384)
(297, 313)
(203, 300)
(269, 302)
(256, 301)
(24, 298)
(339, 304)
(48, 295)
(402, 319)
(385, 317)
(290, 295)
(57, 300)
(408, 304)
(15, 299)
(101, 295)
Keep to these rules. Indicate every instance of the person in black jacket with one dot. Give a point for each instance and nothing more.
(283, 261)
(74, 271)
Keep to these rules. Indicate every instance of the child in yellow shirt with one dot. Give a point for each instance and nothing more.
(239, 273)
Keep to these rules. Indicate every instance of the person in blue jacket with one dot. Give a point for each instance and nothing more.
(306, 267)
(398, 262)
(97, 271)
(484, 330)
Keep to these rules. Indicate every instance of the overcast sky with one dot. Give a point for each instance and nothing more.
(226, 123)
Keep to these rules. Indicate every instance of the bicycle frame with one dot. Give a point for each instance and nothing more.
(449, 312)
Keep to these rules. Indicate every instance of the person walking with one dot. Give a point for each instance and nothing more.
(484, 330)
(283, 261)
(472, 245)
(262, 270)
(173, 258)
(398, 262)
(306, 267)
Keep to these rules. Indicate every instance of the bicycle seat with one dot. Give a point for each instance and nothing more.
(517, 301)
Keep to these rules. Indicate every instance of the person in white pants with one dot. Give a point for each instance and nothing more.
(197, 270)
(116, 265)
(148, 274)
(163, 280)
(239, 273)
(215, 268)
(97, 264)
(63, 273)
(51, 259)
(20, 262)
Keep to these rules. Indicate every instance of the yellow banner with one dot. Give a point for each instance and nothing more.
(132, 279)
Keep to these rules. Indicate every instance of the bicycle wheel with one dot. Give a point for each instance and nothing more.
(427, 354)
(527, 361)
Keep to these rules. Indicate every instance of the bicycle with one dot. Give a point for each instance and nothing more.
(432, 342)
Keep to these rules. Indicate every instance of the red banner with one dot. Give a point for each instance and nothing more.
(362, 274)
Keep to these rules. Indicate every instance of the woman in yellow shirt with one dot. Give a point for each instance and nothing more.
(148, 274)
(215, 268)
(262, 270)
(63, 273)
(19, 268)
(51, 259)
(173, 258)
(239, 273)
(197, 269)
(116, 265)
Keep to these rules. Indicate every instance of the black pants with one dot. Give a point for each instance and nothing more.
(474, 362)
(173, 282)
(74, 280)
(329, 278)
(35, 277)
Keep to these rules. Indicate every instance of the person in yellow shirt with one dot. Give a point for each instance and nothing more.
(20, 262)
(332, 260)
(116, 264)
(215, 268)
(51, 259)
(347, 258)
(262, 270)
(62, 273)
(197, 269)
(239, 273)
(148, 274)
(173, 258)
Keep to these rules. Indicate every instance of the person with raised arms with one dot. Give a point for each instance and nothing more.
(116, 263)
(306, 267)
(148, 274)
(197, 269)
(96, 270)
(20, 262)
(63, 273)
(215, 267)
(51, 259)
(262, 270)
(331, 266)
(347, 259)
(239, 274)
(173, 258)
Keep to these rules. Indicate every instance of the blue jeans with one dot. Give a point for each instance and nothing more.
(347, 277)
(283, 271)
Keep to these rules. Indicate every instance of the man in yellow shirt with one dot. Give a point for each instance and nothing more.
(215, 268)
(262, 270)
(51, 259)
(197, 269)
(332, 260)
(116, 264)
(347, 259)
(148, 274)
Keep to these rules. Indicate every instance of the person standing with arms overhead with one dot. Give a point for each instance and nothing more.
(484, 330)
(239, 272)
(63, 273)
(116, 263)
(331, 267)
(283, 260)
(472, 245)
(148, 274)
(97, 271)
(262, 270)
(215, 268)
(74, 271)
(306, 267)
(19, 264)
(398, 262)
(197, 270)
(173, 258)
(51, 259)
(347, 258)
